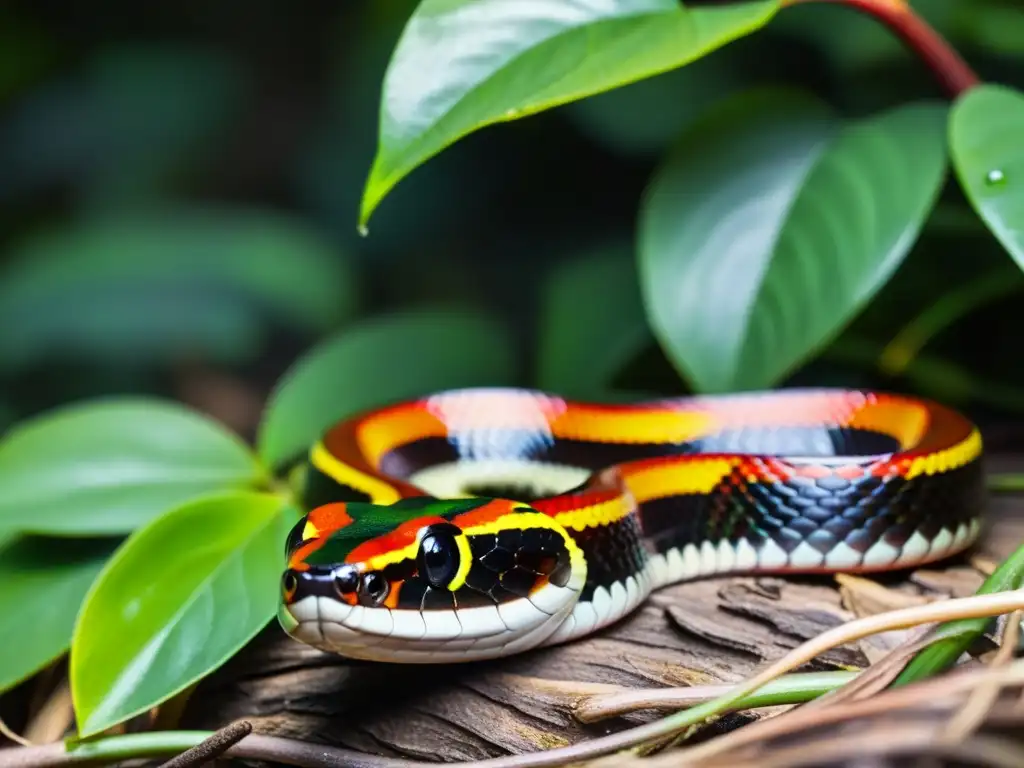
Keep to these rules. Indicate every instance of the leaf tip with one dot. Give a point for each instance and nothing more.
(377, 187)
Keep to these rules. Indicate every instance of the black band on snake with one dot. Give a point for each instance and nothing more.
(480, 523)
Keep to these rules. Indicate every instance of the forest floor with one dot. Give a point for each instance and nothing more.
(703, 633)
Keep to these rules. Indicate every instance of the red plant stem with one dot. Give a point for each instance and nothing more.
(938, 55)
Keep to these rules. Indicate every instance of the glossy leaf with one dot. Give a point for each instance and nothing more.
(180, 597)
(42, 584)
(773, 224)
(380, 361)
(151, 287)
(986, 127)
(592, 323)
(107, 467)
(461, 65)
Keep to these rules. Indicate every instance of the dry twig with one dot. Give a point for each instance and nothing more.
(934, 694)
(908, 738)
(7, 733)
(967, 719)
(600, 706)
(212, 747)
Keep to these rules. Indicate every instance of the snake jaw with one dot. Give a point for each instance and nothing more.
(456, 594)
(432, 635)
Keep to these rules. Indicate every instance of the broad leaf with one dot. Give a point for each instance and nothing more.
(463, 64)
(106, 467)
(592, 323)
(380, 361)
(773, 224)
(986, 138)
(180, 597)
(42, 584)
(151, 287)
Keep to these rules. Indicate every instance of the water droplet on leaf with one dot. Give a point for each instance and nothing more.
(364, 231)
(995, 177)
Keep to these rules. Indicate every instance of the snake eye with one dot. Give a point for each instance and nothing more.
(373, 589)
(346, 579)
(289, 583)
(438, 558)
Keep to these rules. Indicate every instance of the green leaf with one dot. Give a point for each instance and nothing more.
(592, 323)
(106, 467)
(985, 129)
(461, 65)
(773, 224)
(151, 287)
(380, 361)
(180, 597)
(42, 584)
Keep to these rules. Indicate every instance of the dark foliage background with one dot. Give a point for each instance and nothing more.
(115, 107)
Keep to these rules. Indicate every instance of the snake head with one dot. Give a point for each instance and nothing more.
(425, 580)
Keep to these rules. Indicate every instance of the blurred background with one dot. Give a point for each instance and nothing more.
(179, 188)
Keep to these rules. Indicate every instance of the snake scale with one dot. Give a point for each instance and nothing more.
(479, 523)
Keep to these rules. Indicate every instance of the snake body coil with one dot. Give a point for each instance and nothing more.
(480, 523)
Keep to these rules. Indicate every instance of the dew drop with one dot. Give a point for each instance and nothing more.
(364, 231)
(995, 177)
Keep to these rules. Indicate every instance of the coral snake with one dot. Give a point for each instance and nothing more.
(479, 523)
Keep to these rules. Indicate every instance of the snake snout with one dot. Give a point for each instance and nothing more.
(315, 581)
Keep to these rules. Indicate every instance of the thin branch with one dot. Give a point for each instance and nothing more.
(211, 748)
(168, 743)
(880, 674)
(928, 694)
(818, 688)
(790, 689)
(8, 733)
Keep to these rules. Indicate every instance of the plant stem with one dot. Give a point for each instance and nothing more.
(133, 746)
(938, 55)
(795, 688)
